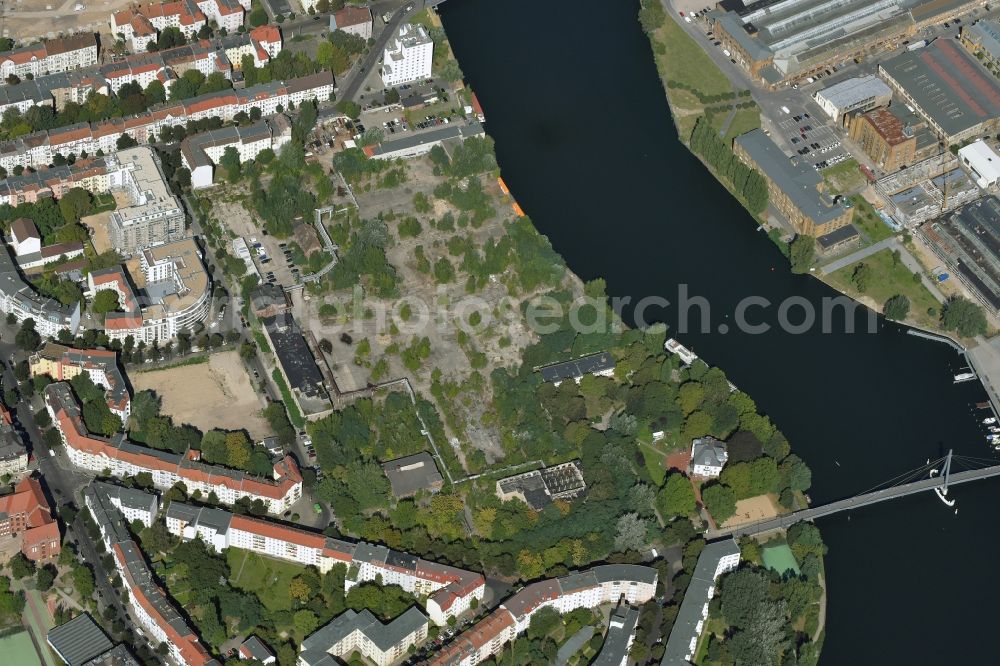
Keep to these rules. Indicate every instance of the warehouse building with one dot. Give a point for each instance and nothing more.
(982, 39)
(885, 138)
(957, 96)
(855, 94)
(795, 188)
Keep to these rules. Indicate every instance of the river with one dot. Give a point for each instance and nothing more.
(585, 142)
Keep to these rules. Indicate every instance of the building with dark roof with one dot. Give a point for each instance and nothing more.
(600, 364)
(78, 641)
(297, 364)
(602, 584)
(957, 96)
(116, 656)
(717, 558)
(708, 456)
(413, 473)
(418, 143)
(362, 632)
(838, 239)
(538, 488)
(794, 187)
(618, 639)
(968, 242)
(254, 648)
(18, 297)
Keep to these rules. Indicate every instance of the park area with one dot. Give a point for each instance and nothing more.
(213, 394)
(888, 278)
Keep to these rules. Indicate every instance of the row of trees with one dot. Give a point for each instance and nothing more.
(748, 183)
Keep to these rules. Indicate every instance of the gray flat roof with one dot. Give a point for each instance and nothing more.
(988, 35)
(116, 656)
(79, 640)
(412, 473)
(836, 236)
(851, 91)
(577, 367)
(216, 519)
(689, 614)
(442, 133)
(621, 629)
(797, 179)
(948, 85)
(384, 636)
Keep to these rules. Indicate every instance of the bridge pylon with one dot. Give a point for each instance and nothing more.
(946, 472)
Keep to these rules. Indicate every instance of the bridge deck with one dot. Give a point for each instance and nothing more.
(856, 502)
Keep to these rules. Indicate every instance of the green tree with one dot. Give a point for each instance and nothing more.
(257, 17)
(230, 161)
(719, 501)
(964, 316)
(801, 253)
(27, 337)
(75, 204)
(676, 498)
(862, 277)
(897, 307)
(305, 622)
(105, 301)
(21, 566)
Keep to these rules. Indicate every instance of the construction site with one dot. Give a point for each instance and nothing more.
(926, 190)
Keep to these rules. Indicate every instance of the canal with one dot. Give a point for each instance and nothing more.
(586, 144)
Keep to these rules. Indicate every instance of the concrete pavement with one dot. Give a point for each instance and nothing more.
(863, 253)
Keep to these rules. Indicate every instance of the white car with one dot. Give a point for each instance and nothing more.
(785, 110)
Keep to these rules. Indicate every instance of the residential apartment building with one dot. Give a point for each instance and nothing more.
(63, 363)
(889, 142)
(141, 24)
(408, 56)
(450, 590)
(201, 152)
(619, 637)
(795, 188)
(26, 242)
(25, 515)
(177, 293)
(48, 57)
(18, 298)
(350, 632)
(603, 584)
(38, 149)
(122, 458)
(154, 215)
(353, 20)
(132, 503)
(13, 454)
(155, 613)
(716, 559)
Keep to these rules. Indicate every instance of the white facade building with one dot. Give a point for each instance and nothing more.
(982, 162)
(408, 57)
(708, 457)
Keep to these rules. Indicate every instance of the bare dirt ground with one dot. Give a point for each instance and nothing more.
(217, 394)
(753, 509)
(27, 19)
(98, 225)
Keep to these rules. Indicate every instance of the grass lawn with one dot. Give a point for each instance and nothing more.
(890, 280)
(655, 463)
(744, 121)
(268, 579)
(679, 58)
(844, 177)
(868, 221)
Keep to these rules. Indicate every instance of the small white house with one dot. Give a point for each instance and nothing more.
(982, 162)
(708, 457)
(24, 237)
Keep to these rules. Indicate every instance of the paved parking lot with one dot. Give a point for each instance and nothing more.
(814, 141)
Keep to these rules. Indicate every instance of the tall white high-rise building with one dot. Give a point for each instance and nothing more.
(407, 57)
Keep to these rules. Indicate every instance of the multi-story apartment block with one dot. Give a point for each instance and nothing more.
(38, 149)
(351, 632)
(201, 152)
(26, 516)
(140, 25)
(18, 298)
(13, 454)
(408, 57)
(49, 57)
(795, 188)
(177, 287)
(157, 616)
(155, 214)
(62, 363)
(603, 584)
(450, 590)
(716, 559)
(133, 504)
(122, 458)
(353, 20)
